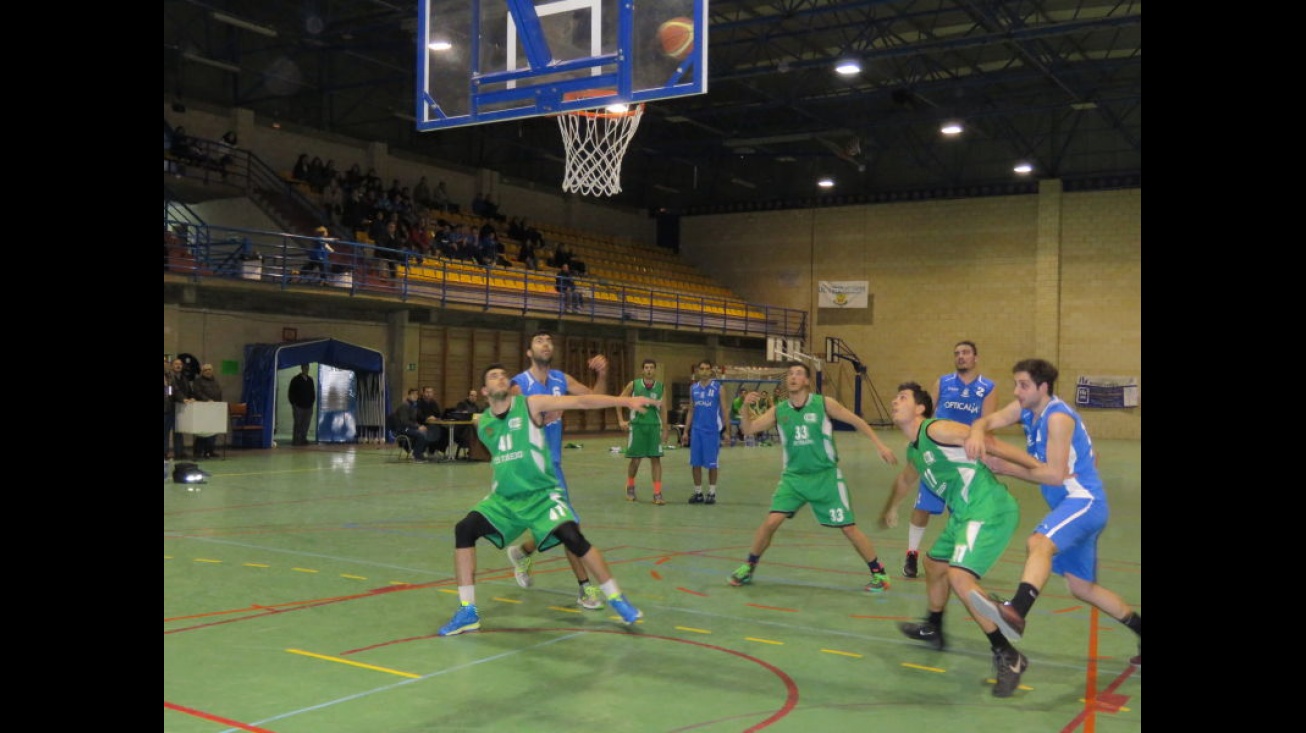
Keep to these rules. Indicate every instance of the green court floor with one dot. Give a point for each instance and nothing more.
(303, 588)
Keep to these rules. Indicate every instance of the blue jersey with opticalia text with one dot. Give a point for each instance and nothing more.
(1084, 483)
(707, 407)
(959, 401)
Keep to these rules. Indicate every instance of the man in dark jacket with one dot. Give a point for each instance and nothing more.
(407, 421)
(303, 395)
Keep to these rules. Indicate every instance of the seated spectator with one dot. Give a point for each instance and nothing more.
(316, 174)
(405, 421)
(185, 148)
(353, 178)
(422, 193)
(464, 410)
(419, 237)
(300, 171)
(333, 201)
(443, 241)
(478, 205)
(429, 414)
(440, 199)
(526, 255)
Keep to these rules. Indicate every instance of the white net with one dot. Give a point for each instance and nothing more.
(596, 141)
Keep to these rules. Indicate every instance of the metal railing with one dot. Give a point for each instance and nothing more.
(278, 259)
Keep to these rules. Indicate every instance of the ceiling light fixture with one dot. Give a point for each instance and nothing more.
(1023, 168)
(849, 66)
(951, 128)
(826, 182)
(211, 62)
(233, 21)
(439, 45)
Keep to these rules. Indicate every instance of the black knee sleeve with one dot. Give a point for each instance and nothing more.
(569, 534)
(469, 529)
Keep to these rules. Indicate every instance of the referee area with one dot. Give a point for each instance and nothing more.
(303, 588)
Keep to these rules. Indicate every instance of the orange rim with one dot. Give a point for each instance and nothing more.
(602, 113)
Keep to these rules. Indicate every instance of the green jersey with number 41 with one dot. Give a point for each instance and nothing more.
(518, 450)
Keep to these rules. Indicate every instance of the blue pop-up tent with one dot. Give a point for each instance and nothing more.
(349, 410)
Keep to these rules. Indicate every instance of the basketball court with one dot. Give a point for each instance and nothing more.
(303, 588)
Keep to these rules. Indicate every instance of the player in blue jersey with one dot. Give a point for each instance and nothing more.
(541, 378)
(964, 396)
(1065, 541)
(709, 414)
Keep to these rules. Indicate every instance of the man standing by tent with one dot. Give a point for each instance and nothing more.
(303, 395)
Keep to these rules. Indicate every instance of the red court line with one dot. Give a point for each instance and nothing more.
(214, 718)
(691, 592)
(1105, 701)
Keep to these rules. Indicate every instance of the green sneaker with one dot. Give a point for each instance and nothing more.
(521, 565)
(879, 583)
(591, 598)
(742, 576)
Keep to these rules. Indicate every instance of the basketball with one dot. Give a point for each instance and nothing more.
(677, 37)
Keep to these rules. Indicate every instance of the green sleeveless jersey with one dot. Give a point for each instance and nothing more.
(650, 415)
(807, 436)
(518, 450)
(967, 486)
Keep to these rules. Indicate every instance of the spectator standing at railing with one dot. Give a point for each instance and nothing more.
(226, 149)
(565, 284)
(319, 254)
(388, 246)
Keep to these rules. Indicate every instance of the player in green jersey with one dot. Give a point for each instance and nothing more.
(982, 517)
(648, 430)
(525, 494)
(811, 470)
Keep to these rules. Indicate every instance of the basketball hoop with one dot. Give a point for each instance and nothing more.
(595, 141)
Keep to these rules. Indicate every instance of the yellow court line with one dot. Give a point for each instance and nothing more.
(205, 559)
(400, 582)
(305, 570)
(353, 577)
(448, 590)
(373, 667)
(854, 655)
(507, 600)
(564, 609)
(764, 641)
(257, 565)
(167, 557)
(1026, 688)
(925, 669)
(696, 631)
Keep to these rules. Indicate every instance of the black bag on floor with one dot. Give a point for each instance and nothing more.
(188, 473)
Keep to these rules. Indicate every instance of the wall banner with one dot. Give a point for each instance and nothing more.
(843, 294)
(1107, 392)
